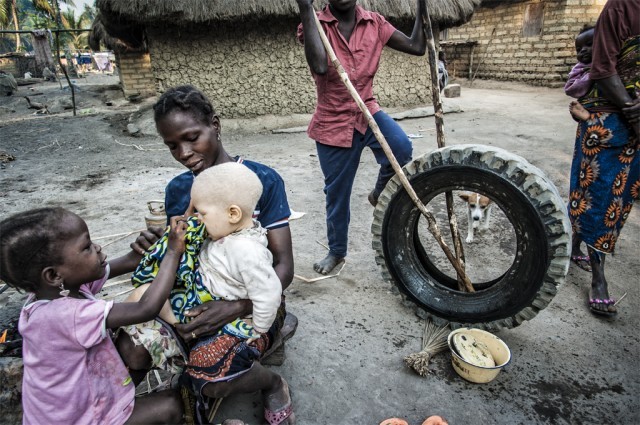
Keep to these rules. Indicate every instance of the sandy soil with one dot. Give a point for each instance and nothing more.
(344, 365)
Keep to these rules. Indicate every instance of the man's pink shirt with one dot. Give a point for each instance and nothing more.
(337, 114)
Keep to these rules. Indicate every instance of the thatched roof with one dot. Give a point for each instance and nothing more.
(116, 34)
(496, 3)
(183, 12)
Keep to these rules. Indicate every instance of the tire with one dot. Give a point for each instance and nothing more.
(530, 202)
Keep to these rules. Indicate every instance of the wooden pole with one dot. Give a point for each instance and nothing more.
(439, 116)
(432, 225)
(64, 69)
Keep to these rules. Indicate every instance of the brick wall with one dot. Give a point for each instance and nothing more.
(503, 53)
(135, 74)
(258, 68)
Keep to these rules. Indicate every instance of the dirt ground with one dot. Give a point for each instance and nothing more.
(345, 363)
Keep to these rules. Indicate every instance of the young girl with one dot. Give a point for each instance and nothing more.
(578, 82)
(72, 371)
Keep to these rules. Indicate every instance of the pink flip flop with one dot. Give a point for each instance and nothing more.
(276, 417)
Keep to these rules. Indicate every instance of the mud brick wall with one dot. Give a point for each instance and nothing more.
(18, 65)
(10, 66)
(258, 68)
(459, 58)
(135, 74)
(543, 59)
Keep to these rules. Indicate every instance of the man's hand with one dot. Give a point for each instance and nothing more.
(209, 317)
(145, 239)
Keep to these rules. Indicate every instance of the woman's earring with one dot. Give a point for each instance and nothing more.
(218, 137)
(63, 292)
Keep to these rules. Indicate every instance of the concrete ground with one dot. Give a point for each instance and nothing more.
(345, 363)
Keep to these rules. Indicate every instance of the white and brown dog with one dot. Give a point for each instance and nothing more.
(478, 212)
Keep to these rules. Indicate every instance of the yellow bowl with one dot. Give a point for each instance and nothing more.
(478, 374)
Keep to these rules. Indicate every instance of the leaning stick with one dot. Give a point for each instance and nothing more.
(433, 227)
(439, 116)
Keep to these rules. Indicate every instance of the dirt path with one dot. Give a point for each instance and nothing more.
(344, 365)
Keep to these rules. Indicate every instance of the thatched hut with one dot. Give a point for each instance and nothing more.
(244, 54)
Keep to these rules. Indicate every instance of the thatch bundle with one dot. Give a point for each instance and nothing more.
(445, 13)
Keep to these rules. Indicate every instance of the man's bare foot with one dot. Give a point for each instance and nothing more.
(327, 264)
(278, 408)
(578, 111)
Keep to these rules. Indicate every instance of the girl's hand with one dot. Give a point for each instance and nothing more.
(177, 234)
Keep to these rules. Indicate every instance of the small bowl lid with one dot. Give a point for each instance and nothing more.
(472, 351)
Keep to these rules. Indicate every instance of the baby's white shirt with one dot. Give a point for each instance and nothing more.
(240, 266)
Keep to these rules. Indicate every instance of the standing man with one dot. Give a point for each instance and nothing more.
(338, 126)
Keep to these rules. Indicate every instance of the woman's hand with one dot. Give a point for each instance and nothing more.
(209, 317)
(145, 239)
(632, 114)
(128, 262)
(177, 233)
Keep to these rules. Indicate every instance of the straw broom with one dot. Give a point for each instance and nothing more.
(434, 340)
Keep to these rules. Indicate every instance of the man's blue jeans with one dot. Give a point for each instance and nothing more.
(339, 166)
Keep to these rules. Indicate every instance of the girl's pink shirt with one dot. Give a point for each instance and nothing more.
(73, 373)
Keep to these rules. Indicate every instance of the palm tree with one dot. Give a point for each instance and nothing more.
(9, 13)
(78, 39)
(45, 11)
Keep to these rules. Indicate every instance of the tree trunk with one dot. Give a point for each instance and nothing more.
(14, 16)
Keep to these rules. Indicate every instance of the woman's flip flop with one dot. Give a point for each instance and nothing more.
(582, 261)
(606, 302)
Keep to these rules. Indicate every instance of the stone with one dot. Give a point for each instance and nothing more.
(133, 130)
(452, 90)
(11, 389)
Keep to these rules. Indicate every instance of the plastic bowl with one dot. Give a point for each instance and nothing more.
(478, 374)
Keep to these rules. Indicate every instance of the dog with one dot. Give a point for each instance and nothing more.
(478, 212)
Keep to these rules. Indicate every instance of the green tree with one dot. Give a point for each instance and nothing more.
(9, 14)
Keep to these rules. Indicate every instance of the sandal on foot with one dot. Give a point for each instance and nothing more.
(582, 261)
(607, 302)
(275, 417)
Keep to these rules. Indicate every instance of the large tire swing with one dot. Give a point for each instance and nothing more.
(531, 204)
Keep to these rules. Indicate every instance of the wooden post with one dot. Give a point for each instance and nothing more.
(432, 225)
(439, 115)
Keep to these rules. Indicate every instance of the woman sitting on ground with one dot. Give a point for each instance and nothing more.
(189, 126)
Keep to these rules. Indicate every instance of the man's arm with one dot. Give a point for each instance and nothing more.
(313, 47)
(417, 43)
